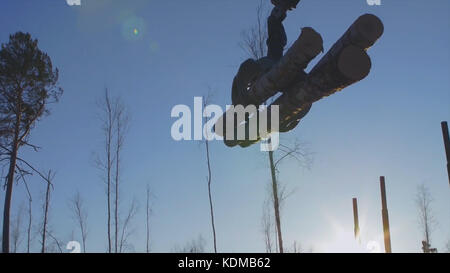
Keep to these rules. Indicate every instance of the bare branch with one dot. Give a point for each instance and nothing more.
(47, 178)
(267, 225)
(194, 246)
(46, 209)
(254, 39)
(80, 216)
(427, 221)
(57, 242)
(148, 213)
(34, 147)
(126, 229)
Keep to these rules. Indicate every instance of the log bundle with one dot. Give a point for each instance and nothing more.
(344, 64)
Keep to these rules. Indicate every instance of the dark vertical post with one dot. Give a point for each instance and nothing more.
(355, 217)
(444, 126)
(384, 212)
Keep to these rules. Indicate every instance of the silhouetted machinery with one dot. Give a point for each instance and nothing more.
(344, 64)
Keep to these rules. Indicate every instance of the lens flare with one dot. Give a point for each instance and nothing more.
(133, 28)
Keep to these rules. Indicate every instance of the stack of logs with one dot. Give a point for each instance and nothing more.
(344, 64)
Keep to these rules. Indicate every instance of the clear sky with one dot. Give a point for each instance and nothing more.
(388, 124)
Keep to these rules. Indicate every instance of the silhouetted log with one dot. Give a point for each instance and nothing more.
(253, 84)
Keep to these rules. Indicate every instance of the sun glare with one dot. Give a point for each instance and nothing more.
(344, 241)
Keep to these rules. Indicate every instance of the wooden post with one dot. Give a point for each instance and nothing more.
(444, 126)
(385, 215)
(355, 217)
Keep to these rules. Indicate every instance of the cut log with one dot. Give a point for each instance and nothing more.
(281, 74)
(364, 32)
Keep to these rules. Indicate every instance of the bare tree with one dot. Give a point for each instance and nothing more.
(80, 216)
(46, 207)
(106, 164)
(115, 119)
(148, 213)
(209, 179)
(427, 221)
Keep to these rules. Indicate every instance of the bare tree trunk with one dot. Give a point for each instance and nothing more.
(210, 197)
(209, 178)
(109, 174)
(46, 207)
(148, 212)
(116, 196)
(9, 187)
(276, 203)
(30, 219)
(83, 237)
(121, 122)
(118, 112)
(426, 228)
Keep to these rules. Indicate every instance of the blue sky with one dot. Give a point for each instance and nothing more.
(388, 124)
